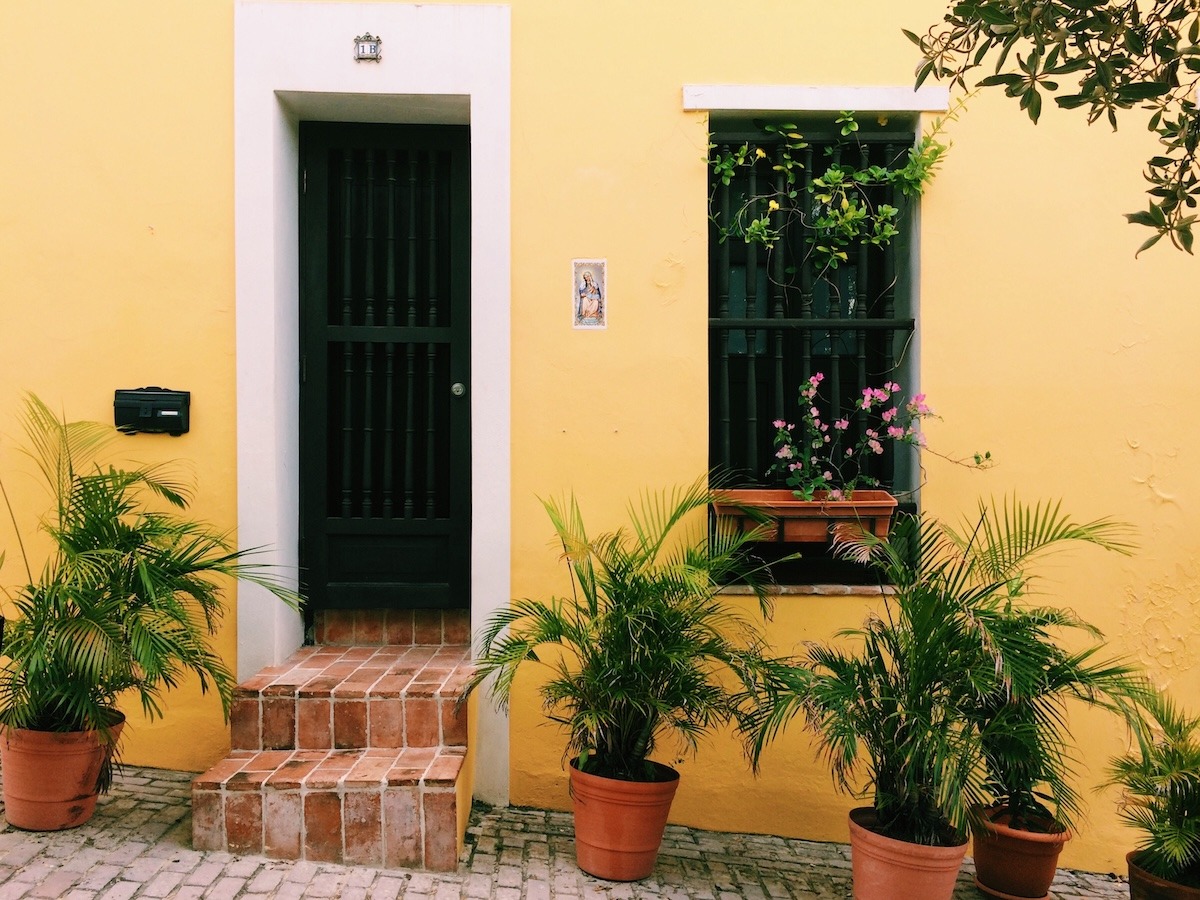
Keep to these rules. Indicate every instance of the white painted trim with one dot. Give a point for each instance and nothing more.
(441, 63)
(813, 98)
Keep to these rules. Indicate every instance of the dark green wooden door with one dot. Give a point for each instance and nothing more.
(385, 395)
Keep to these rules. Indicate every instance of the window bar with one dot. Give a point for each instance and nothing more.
(724, 423)
(368, 346)
(411, 350)
(889, 275)
(777, 288)
(835, 336)
(860, 302)
(431, 348)
(389, 319)
(347, 346)
(751, 295)
(806, 272)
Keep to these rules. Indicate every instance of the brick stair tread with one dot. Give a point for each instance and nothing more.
(355, 672)
(344, 770)
(390, 808)
(349, 697)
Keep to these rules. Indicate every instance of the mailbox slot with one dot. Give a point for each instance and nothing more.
(152, 410)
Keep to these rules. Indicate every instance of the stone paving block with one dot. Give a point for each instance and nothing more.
(99, 877)
(20, 855)
(205, 874)
(121, 890)
(387, 887)
(290, 890)
(54, 884)
(163, 884)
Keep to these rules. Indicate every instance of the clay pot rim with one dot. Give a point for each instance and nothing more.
(1151, 878)
(118, 720)
(988, 822)
(864, 817)
(671, 774)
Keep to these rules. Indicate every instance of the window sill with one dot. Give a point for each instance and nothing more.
(814, 590)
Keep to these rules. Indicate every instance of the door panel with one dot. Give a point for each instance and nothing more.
(385, 425)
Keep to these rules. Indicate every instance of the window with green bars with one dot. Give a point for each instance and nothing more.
(800, 303)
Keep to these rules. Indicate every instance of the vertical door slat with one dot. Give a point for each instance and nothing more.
(347, 319)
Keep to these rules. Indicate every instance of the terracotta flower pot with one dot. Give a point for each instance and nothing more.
(808, 521)
(1144, 886)
(886, 869)
(50, 777)
(619, 824)
(1012, 862)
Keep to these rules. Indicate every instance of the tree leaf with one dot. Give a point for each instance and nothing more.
(993, 80)
(1035, 104)
(993, 15)
(1141, 218)
(1185, 237)
(1148, 243)
(1144, 90)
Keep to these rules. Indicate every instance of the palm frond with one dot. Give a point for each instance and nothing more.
(645, 650)
(129, 596)
(954, 694)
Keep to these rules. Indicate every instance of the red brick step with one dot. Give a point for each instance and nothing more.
(350, 751)
(324, 698)
(373, 807)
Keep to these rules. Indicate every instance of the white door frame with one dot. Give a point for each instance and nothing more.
(441, 64)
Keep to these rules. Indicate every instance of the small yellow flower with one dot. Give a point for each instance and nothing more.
(773, 205)
(760, 153)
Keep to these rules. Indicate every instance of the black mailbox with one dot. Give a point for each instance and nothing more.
(152, 410)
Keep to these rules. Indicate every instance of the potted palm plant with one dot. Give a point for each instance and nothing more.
(1031, 805)
(1161, 799)
(643, 652)
(892, 708)
(123, 606)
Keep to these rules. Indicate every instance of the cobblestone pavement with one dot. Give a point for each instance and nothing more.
(139, 845)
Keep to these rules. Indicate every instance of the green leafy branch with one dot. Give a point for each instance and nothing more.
(1105, 58)
(836, 209)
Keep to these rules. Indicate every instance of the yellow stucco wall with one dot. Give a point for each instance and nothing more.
(1042, 339)
(116, 212)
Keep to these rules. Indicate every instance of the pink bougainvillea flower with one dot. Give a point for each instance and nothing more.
(841, 424)
(918, 407)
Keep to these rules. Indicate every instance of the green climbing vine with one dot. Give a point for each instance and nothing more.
(838, 209)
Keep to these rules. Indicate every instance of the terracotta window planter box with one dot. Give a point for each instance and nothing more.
(807, 521)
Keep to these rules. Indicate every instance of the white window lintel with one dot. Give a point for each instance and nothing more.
(814, 98)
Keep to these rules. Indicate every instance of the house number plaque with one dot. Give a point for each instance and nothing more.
(368, 47)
